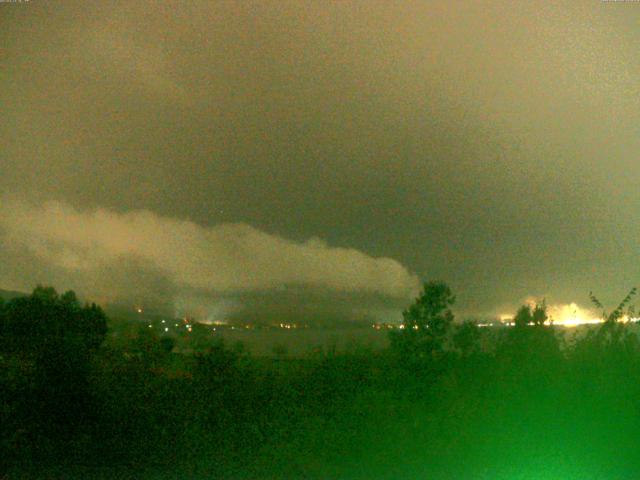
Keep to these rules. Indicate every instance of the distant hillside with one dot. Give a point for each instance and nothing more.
(9, 294)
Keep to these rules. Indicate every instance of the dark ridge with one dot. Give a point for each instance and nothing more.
(10, 294)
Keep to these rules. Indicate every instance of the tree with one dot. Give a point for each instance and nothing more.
(427, 322)
(618, 312)
(531, 344)
(527, 315)
(46, 320)
(539, 314)
(523, 316)
(466, 337)
(613, 338)
(56, 337)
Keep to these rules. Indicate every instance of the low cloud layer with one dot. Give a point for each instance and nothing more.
(140, 256)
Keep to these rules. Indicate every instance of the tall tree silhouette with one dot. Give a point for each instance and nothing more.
(58, 336)
(619, 311)
(427, 322)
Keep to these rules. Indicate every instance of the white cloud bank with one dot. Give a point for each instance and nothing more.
(224, 259)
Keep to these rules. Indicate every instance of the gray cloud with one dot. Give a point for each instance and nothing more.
(144, 256)
(491, 144)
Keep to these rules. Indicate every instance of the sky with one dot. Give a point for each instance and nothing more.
(320, 159)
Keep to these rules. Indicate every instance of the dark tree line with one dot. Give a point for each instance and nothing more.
(446, 400)
(46, 320)
(47, 341)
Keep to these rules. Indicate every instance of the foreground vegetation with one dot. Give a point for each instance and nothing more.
(444, 401)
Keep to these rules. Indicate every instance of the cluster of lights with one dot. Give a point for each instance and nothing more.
(510, 323)
(507, 321)
(402, 326)
(188, 326)
(380, 326)
(288, 326)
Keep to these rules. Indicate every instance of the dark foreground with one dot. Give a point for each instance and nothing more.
(518, 405)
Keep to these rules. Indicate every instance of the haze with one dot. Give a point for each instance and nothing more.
(321, 157)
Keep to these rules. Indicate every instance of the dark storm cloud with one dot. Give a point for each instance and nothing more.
(490, 144)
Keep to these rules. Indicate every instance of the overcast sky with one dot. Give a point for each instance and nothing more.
(222, 153)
